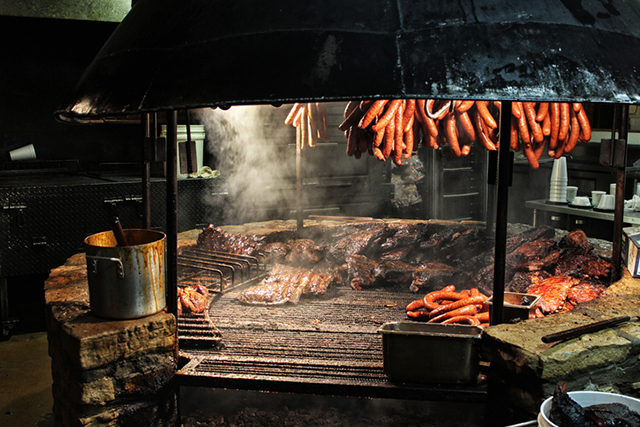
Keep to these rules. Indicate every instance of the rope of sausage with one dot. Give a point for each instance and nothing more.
(311, 117)
(448, 306)
(394, 128)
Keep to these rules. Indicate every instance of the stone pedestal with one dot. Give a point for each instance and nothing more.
(107, 372)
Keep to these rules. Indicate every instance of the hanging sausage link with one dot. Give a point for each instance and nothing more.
(394, 128)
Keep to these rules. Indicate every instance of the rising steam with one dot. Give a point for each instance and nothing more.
(251, 145)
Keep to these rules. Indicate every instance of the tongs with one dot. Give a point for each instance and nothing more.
(586, 329)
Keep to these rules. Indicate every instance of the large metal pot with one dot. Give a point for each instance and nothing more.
(126, 282)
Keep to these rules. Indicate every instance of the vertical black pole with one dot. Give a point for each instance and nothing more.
(616, 268)
(502, 198)
(172, 231)
(172, 212)
(146, 171)
(299, 210)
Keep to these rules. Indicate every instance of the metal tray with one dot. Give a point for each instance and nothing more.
(426, 352)
(514, 308)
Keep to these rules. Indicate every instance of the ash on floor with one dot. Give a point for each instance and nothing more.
(232, 408)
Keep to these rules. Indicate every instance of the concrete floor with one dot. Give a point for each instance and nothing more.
(25, 381)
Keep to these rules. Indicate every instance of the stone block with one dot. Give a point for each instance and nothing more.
(91, 342)
(123, 380)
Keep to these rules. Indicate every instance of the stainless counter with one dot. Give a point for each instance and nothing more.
(630, 217)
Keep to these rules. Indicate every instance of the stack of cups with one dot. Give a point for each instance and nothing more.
(558, 185)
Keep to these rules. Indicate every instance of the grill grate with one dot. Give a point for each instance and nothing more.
(321, 345)
(218, 271)
(197, 330)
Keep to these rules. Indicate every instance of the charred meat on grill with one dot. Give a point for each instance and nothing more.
(582, 262)
(403, 235)
(304, 252)
(192, 299)
(536, 249)
(393, 272)
(396, 254)
(463, 245)
(575, 239)
(288, 284)
(326, 236)
(276, 252)
(428, 248)
(535, 233)
(553, 292)
(523, 280)
(430, 275)
(583, 292)
(400, 242)
(425, 256)
(360, 271)
(361, 243)
(215, 239)
(536, 241)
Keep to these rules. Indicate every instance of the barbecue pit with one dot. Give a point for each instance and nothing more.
(558, 52)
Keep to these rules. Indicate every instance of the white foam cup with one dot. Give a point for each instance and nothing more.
(607, 202)
(596, 195)
(559, 170)
(612, 188)
(572, 192)
(581, 201)
(27, 152)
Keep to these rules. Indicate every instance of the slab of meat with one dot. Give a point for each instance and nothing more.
(327, 235)
(404, 234)
(288, 284)
(362, 243)
(583, 292)
(463, 245)
(431, 275)
(304, 252)
(517, 240)
(553, 292)
(396, 254)
(575, 239)
(360, 271)
(393, 272)
(429, 246)
(192, 299)
(523, 280)
(518, 246)
(401, 240)
(536, 249)
(582, 262)
(276, 252)
(214, 238)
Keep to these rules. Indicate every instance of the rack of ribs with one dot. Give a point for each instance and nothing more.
(288, 284)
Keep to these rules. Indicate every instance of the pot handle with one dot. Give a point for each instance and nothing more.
(94, 264)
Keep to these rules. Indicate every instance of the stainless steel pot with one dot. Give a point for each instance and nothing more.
(126, 282)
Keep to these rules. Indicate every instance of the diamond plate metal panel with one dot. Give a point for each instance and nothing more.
(42, 225)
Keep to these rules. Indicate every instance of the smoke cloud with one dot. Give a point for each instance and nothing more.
(253, 149)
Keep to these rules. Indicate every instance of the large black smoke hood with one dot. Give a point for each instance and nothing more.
(179, 54)
(170, 55)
